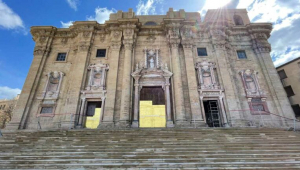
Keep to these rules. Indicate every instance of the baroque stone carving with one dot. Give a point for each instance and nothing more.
(250, 83)
(53, 85)
(151, 58)
(207, 75)
(97, 76)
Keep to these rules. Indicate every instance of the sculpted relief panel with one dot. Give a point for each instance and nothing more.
(97, 76)
(53, 85)
(207, 75)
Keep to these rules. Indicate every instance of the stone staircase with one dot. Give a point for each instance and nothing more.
(151, 149)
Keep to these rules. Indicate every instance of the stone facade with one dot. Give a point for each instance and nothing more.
(289, 74)
(153, 51)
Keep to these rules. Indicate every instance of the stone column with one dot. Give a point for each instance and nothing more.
(202, 109)
(126, 82)
(178, 92)
(80, 120)
(108, 116)
(102, 111)
(168, 103)
(135, 122)
(192, 83)
(225, 123)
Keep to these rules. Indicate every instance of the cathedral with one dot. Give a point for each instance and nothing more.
(176, 70)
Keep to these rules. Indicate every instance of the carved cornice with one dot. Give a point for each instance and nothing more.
(42, 34)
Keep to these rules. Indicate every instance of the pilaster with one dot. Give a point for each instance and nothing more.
(116, 35)
(128, 32)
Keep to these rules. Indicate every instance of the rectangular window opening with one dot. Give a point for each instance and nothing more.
(101, 53)
(282, 74)
(241, 54)
(289, 91)
(201, 51)
(61, 57)
(46, 110)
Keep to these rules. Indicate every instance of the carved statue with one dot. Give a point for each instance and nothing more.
(151, 62)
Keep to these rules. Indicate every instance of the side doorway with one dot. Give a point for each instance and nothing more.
(212, 113)
(93, 114)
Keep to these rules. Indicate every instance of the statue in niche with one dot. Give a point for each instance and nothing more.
(249, 81)
(53, 81)
(151, 63)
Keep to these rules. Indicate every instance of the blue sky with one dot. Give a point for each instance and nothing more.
(17, 16)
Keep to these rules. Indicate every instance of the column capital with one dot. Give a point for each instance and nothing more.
(174, 43)
(115, 46)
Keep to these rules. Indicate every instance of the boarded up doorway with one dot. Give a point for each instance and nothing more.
(93, 114)
(152, 107)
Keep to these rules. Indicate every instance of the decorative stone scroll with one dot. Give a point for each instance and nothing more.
(207, 75)
(53, 85)
(97, 76)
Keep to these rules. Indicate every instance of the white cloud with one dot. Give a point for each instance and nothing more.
(8, 93)
(148, 7)
(284, 58)
(285, 17)
(101, 14)
(73, 4)
(8, 18)
(66, 24)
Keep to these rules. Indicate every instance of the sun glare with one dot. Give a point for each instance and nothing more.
(214, 4)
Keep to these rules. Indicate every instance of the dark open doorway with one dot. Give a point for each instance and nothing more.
(212, 113)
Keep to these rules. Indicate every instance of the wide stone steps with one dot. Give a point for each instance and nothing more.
(151, 148)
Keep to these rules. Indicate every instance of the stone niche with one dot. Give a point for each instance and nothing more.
(254, 94)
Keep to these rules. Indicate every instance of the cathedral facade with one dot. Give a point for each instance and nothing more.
(172, 70)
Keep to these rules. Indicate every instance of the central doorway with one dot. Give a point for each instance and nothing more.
(152, 107)
(212, 113)
(93, 114)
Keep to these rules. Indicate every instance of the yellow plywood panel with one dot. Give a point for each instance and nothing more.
(92, 122)
(152, 115)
